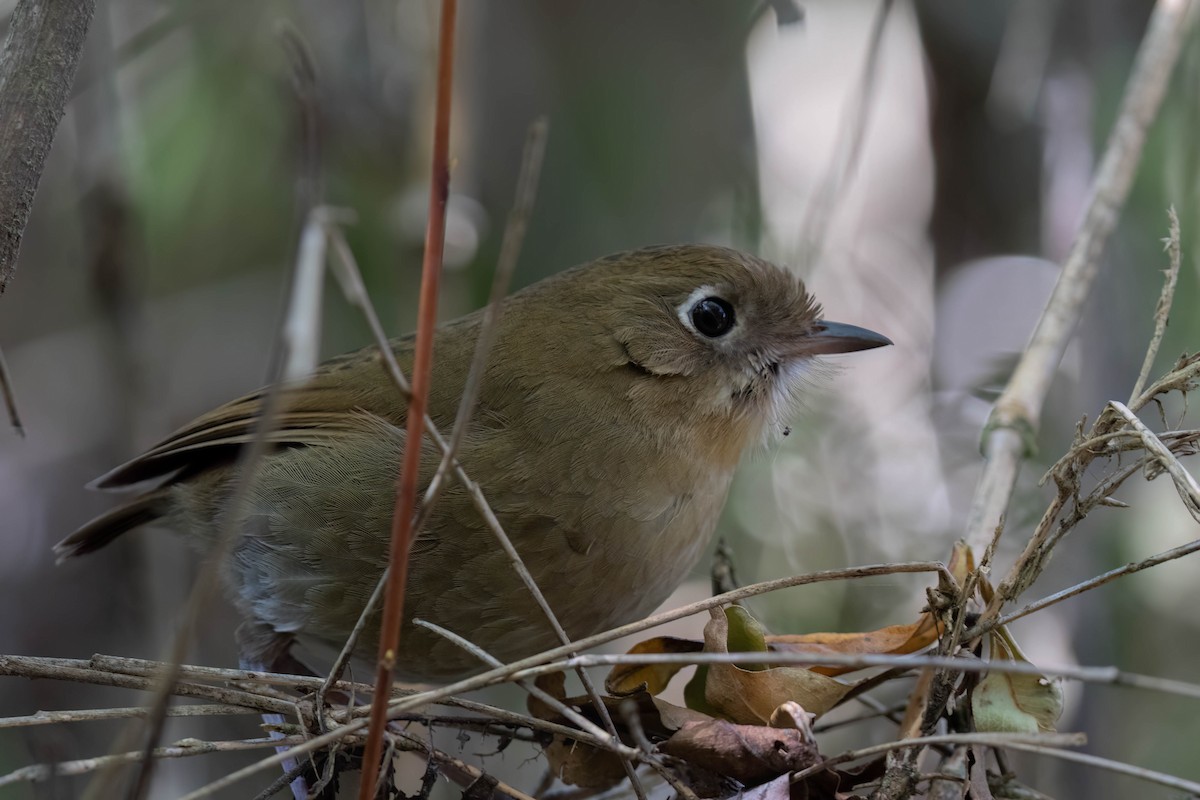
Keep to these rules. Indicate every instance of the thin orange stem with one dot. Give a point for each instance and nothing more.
(406, 482)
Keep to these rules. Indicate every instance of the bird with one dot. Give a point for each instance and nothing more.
(616, 403)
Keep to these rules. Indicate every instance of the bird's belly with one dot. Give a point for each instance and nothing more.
(611, 564)
(625, 570)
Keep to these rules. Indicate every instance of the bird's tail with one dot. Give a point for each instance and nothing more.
(108, 526)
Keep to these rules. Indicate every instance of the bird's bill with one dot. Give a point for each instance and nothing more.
(829, 338)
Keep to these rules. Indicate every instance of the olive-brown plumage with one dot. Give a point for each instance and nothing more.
(618, 399)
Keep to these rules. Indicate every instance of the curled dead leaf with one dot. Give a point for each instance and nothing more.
(1015, 702)
(749, 696)
(793, 715)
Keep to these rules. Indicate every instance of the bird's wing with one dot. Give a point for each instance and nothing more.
(313, 414)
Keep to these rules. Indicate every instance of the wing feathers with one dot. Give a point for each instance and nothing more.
(310, 417)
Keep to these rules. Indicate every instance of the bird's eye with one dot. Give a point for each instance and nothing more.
(713, 317)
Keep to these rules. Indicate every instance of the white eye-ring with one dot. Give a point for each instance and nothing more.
(707, 313)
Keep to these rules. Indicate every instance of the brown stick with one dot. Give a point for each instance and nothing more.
(37, 68)
(406, 485)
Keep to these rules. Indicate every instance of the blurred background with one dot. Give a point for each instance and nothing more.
(155, 263)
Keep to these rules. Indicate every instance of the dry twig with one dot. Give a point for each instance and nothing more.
(10, 397)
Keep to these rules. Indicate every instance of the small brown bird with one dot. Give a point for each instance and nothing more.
(617, 402)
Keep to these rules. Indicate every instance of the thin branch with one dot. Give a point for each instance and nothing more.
(182, 749)
(892, 714)
(612, 742)
(510, 250)
(847, 153)
(301, 333)
(500, 789)
(95, 714)
(77, 671)
(245, 470)
(1015, 416)
(514, 234)
(320, 742)
(420, 699)
(987, 739)
(37, 67)
(10, 397)
(1162, 311)
(1104, 440)
(1162, 779)
(583, 722)
(1102, 675)
(310, 191)
(117, 671)
(406, 481)
(580, 645)
(1083, 586)
(1185, 484)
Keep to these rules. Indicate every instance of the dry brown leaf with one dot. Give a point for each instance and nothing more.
(893, 640)
(750, 696)
(918, 699)
(577, 764)
(750, 754)
(587, 767)
(626, 679)
(553, 684)
(568, 760)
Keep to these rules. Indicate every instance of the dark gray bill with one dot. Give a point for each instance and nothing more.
(829, 338)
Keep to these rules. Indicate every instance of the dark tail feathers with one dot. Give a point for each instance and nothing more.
(108, 526)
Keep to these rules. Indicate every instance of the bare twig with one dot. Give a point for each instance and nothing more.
(1103, 675)
(580, 645)
(37, 67)
(514, 233)
(1083, 586)
(1163, 311)
(988, 739)
(406, 482)
(1015, 416)
(182, 749)
(10, 397)
(320, 742)
(310, 184)
(1185, 484)
(250, 458)
(301, 332)
(1162, 779)
(80, 672)
(609, 738)
(1103, 440)
(541, 694)
(510, 250)
(848, 150)
(94, 714)
(490, 677)
(133, 672)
